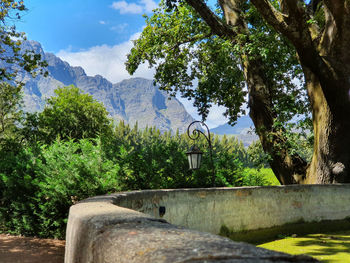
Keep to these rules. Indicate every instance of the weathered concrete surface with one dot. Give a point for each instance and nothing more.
(123, 227)
(86, 221)
(241, 208)
(99, 231)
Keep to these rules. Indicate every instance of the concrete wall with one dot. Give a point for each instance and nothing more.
(131, 226)
(242, 208)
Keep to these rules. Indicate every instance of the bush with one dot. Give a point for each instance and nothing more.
(83, 157)
(71, 114)
(71, 171)
(37, 191)
(39, 183)
(18, 189)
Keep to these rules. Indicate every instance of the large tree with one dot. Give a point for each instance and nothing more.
(265, 45)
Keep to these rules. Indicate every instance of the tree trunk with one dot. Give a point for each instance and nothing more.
(331, 120)
(327, 69)
(324, 55)
(289, 169)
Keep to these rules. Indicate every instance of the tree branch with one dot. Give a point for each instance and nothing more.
(291, 6)
(213, 21)
(292, 23)
(271, 15)
(336, 8)
(190, 40)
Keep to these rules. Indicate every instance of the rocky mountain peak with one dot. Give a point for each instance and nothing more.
(132, 100)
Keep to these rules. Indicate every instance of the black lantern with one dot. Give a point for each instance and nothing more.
(194, 156)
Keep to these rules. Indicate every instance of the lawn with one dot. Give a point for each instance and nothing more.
(330, 247)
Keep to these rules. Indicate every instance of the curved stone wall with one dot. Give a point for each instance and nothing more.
(241, 208)
(100, 225)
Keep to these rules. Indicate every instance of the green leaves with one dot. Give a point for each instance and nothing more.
(39, 183)
(72, 114)
(12, 58)
(190, 60)
(10, 112)
(184, 51)
(71, 171)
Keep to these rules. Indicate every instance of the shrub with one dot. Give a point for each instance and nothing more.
(71, 171)
(18, 188)
(39, 183)
(71, 114)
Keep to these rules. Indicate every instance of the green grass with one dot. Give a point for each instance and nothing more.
(269, 176)
(266, 174)
(331, 247)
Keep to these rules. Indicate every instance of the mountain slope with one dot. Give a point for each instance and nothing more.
(243, 126)
(133, 100)
(242, 130)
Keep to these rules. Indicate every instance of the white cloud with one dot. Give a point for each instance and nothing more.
(143, 6)
(215, 116)
(125, 8)
(102, 22)
(107, 61)
(149, 5)
(119, 28)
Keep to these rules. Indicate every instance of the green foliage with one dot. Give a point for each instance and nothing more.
(150, 160)
(257, 157)
(72, 114)
(70, 153)
(184, 51)
(18, 188)
(38, 183)
(71, 171)
(298, 141)
(12, 58)
(10, 113)
(259, 177)
(192, 59)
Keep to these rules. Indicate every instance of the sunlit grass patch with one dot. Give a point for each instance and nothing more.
(330, 247)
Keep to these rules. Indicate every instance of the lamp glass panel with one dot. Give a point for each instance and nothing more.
(199, 160)
(189, 156)
(196, 160)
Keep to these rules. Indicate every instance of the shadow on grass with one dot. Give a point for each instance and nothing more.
(325, 245)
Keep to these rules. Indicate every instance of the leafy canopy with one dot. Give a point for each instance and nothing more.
(12, 57)
(12, 60)
(72, 114)
(10, 113)
(189, 58)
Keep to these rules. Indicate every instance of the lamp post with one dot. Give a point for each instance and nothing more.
(195, 154)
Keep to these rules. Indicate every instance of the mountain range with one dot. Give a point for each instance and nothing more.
(133, 100)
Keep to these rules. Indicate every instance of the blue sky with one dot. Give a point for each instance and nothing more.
(81, 24)
(96, 35)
